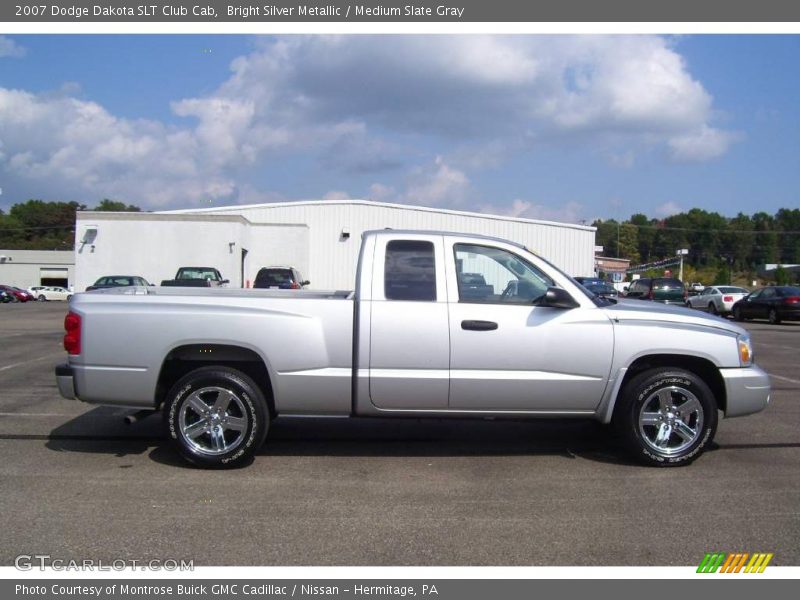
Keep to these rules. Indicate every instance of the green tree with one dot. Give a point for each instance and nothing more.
(116, 206)
(782, 276)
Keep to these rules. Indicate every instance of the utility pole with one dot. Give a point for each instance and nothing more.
(682, 252)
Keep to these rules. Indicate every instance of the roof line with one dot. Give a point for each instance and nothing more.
(382, 205)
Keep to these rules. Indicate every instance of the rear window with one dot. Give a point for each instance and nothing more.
(663, 284)
(732, 290)
(274, 276)
(409, 271)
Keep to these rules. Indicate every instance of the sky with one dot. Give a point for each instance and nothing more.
(564, 128)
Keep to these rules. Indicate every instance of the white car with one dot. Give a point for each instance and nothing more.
(52, 293)
(718, 299)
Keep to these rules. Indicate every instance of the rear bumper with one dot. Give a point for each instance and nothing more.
(747, 390)
(789, 314)
(66, 382)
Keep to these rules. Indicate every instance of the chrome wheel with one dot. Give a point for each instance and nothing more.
(213, 421)
(671, 420)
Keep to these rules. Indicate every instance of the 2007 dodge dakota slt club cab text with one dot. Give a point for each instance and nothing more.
(439, 325)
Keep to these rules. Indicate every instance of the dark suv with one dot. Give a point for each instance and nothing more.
(284, 278)
(666, 290)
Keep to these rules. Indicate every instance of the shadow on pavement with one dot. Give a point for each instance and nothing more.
(102, 430)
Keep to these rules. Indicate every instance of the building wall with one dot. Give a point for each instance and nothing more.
(333, 258)
(154, 246)
(25, 268)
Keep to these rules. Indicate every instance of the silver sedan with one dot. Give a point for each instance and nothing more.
(718, 300)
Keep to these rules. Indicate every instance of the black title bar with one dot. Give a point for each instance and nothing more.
(48, 11)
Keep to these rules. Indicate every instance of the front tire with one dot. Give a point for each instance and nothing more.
(773, 317)
(217, 417)
(712, 308)
(737, 314)
(667, 417)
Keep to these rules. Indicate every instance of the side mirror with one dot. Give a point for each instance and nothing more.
(225, 281)
(306, 282)
(556, 297)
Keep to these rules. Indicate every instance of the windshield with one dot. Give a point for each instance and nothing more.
(598, 300)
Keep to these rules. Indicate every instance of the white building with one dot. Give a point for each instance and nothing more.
(320, 238)
(26, 268)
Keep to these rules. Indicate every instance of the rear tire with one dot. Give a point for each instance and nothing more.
(217, 417)
(42, 298)
(666, 417)
(712, 308)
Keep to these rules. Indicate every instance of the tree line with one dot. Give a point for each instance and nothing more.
(40, 225)
(713, 240)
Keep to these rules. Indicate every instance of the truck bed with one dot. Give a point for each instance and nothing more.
(305, 339)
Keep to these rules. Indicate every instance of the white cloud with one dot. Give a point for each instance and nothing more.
(705, 143)
(363, 104)
(571, 212)
(668, 209)
(435, 184)
(336, 195)
(10, 49)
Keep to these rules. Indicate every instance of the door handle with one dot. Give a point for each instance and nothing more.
(479, 325)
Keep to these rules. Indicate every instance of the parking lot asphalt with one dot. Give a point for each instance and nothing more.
(76, 482)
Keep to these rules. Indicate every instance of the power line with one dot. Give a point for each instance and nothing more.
(666, 228)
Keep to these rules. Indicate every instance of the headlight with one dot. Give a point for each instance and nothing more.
(745, 350)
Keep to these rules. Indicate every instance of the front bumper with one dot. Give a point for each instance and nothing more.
(746, 389)
(66, 382)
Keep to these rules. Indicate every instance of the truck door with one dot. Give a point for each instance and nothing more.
(509, 354)
(409, 339)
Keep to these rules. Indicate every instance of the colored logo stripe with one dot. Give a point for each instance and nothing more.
(735, 562)
(711, 562)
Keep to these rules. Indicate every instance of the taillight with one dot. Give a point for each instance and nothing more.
(727, 298)
(792, 300)
(72, 339)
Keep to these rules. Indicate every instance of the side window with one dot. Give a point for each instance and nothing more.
(409, 271)
(768, 293)
(491, 275)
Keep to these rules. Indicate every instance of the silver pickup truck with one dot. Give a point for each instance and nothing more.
(439, 325)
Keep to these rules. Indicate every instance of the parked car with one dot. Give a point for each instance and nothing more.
(111, 281)
(694, 288)
(409, 343)
(26, 293)
(53, 293)
(775, 303)
(666, 290)
(196, 277)
(598, 286)
(718, 299)
(284, 278)
(584, 281)
(17, 295)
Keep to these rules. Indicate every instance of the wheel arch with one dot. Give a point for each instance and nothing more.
(702, 367)
(185, 358)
